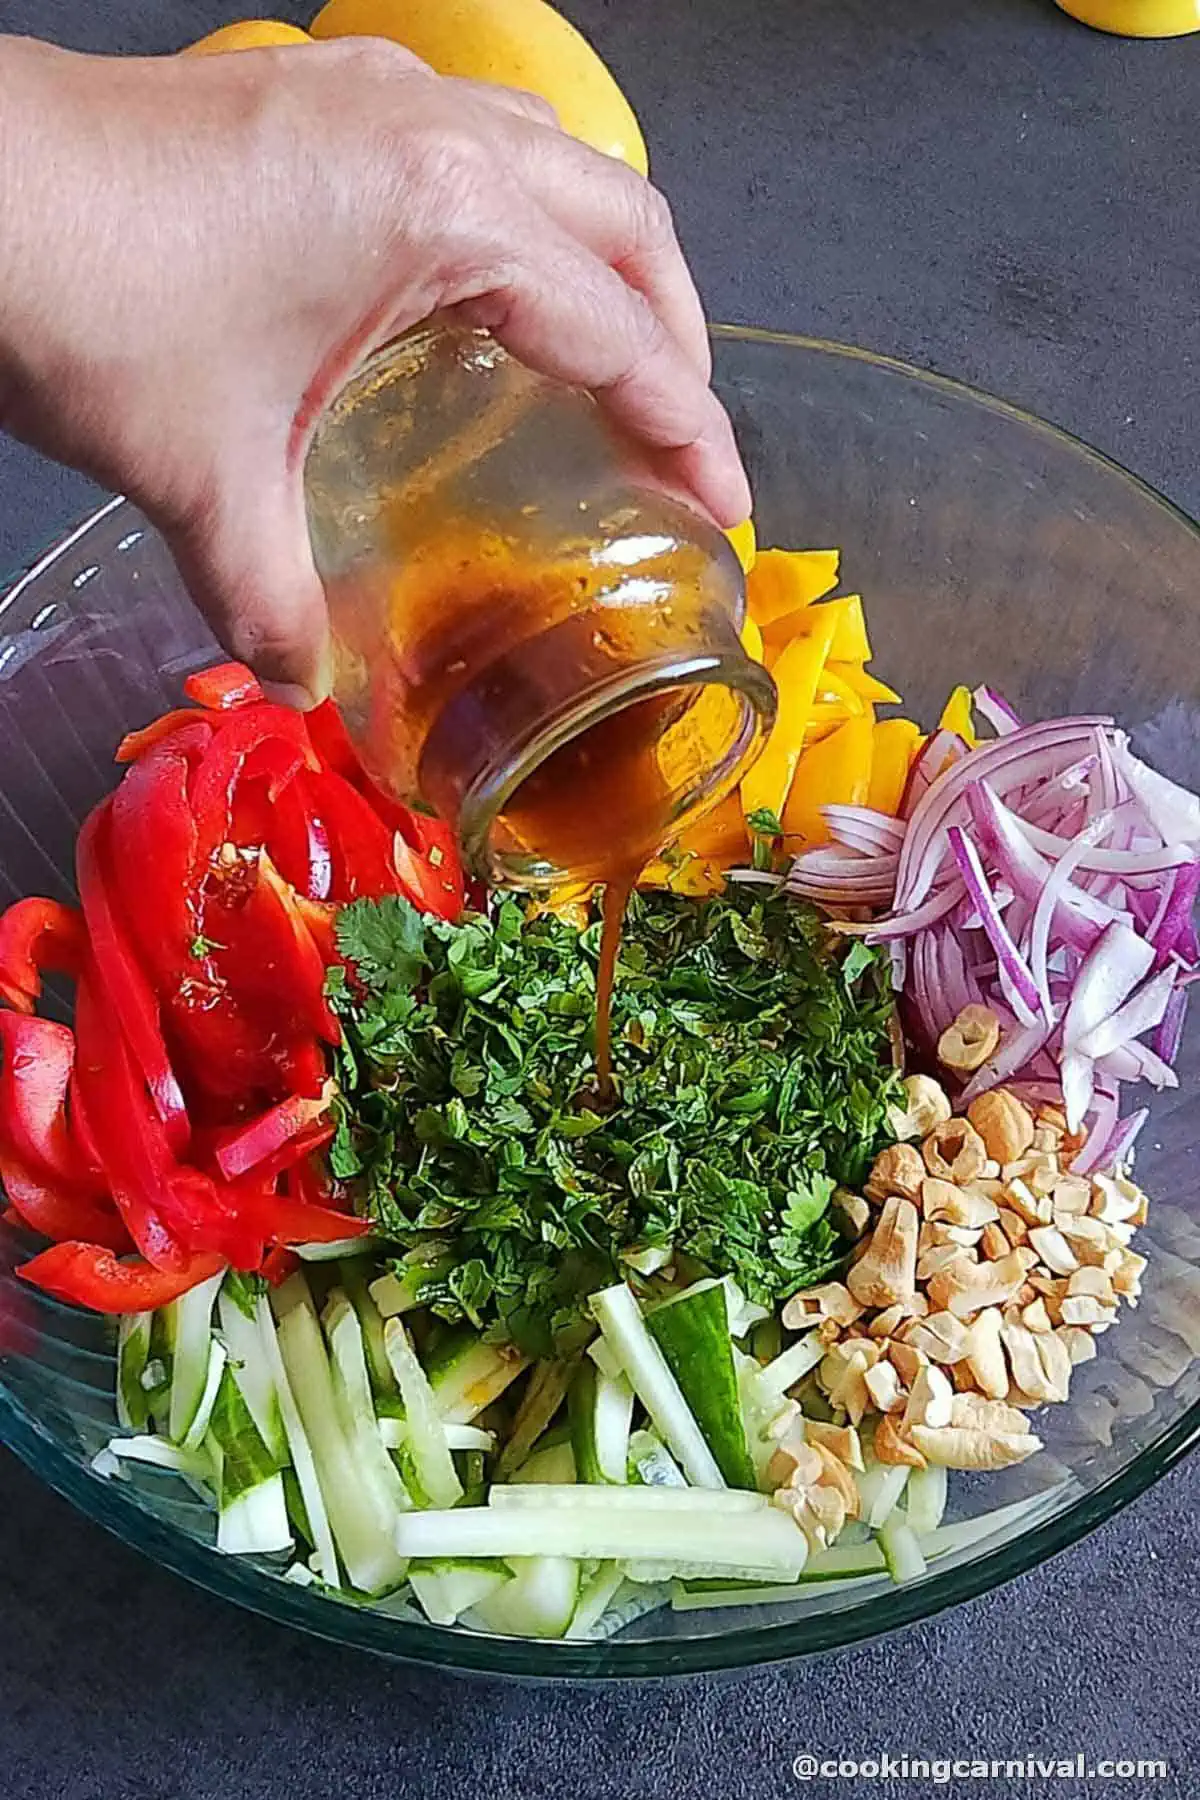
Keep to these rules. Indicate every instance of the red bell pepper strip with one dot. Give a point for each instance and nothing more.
(298, 842)
(159, 731)
(119, 1119)
(360, 843)
(57, 1211)
(264, 950)
(263, 1138)
(37, 1059)
(284, 1220)
(278, 1264)
(152, 859)
(329, 738)
(36, 935)
(433, 886)
(243, 732)
(125, 987)
(223, 686)
(89, 1275)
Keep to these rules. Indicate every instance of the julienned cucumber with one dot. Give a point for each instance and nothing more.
(539, 1601)
(352, 1386)
(595, 1596)
(248, 1365)
(765, 1541)
(251, 1509)
(194, 1436)
(620, 1319)
(544, 1393)
(433, 1463)
(651, 1463)
(925, 1500)
(315, 1521)
(466, 1374)
(133, 1353)
(552, 1464)
(361, 1515)
(902, 1550)
(601, 1411)
(188, 1323)
(692, 1331)
(401, 1290)
(354, 1284)
(447, 1589)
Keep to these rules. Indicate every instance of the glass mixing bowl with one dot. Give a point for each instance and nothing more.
(989, 547)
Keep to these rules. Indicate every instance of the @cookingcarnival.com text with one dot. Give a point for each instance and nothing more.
(883, 1765)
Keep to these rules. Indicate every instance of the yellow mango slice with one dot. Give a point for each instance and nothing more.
(745, 543)
(797, 670)
(834, 690)
(867, 687)
(850, 641)
(896, 743)
(786, 581)
(959, 716)
(834, 773)
(752, 639)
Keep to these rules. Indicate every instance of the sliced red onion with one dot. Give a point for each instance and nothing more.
(1167, 1038)
(862, 828)
(1111, 862)
(1104, 1120)
(995, 709)
(1078, 1087)
(1014, 975)
(1171, 809)
(1107, 977)
(1141, 1012)
(1033, 751)
(1175, 926)
(1148, 1066)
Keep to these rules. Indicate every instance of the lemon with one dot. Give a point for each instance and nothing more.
(517, 43)
(248, 34)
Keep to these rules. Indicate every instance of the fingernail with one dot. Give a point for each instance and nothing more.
(290, 693)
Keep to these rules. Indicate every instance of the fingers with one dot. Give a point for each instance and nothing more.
(248, 565)
(566, 313)
(621, 218)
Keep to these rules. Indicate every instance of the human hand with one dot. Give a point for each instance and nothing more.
(198, 252)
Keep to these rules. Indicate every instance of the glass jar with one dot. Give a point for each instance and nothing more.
(530, 639)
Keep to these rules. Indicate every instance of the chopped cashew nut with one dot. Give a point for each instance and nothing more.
(1081, 1345)
(941, 1337)
(891, 1446)
(930, 1401)
(985, 1354)
(1004, 1124)
(968, 1043)
(926, 1106)
(842, 1441)
(907, 1362)
(968, 1286)
(896, 1170)
(957, 1447)
(1053, 1249)
(1026, 1364)
(887, 1273)
(831, 1300)
(954, 1151)
(883, 1385)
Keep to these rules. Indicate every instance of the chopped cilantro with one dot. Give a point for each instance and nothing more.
(753, 1073)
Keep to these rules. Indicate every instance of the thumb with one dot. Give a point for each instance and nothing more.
(246, 559)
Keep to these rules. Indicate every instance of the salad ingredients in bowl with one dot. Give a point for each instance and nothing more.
(437, 1322)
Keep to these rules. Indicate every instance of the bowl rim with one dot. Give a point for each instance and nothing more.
(451, 1650)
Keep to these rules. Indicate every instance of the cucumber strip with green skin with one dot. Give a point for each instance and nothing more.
(241, 1460)
(693, 1333)
(902, 1551)
(539, 1602)
(189, 1332)
(768, 1541)
(296, 1509)
(471, 1468)
(925, 1500)
(879, 1490)
(553, 1465)
(394, 1435)
(352, 1388)
(743, 1314)
(467, 1374)
(314, 1525)
(965, 1533)
(544, 1394)
(839, 1561)
(651, 1463)
(766, 1340)
(395, 1292)
(595, 1596)
(601, 1412)
(196, 1431)
(353, 1277)
(362, 1526)
(603, 1356)
(713, 1503)
(649, 1374)
(446, 1589)
(687, 1596)
(133, 1353)
(256, 1523)
(248, 1362)
(427, 1444)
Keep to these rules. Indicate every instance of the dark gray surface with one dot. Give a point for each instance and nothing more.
(987, 189)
